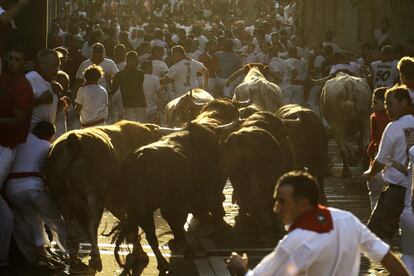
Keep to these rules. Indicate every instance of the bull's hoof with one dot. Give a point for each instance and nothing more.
(181, 247)
(95, 263)
(164, 266)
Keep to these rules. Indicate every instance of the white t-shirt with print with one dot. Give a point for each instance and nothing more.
(397, 138)
(108, 66)
(94, 101)
(43, 112)
(184, 75)
(384, 73)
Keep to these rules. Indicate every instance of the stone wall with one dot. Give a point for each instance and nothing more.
(353, 21)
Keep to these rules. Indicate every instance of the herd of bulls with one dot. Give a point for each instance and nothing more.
(132, 169)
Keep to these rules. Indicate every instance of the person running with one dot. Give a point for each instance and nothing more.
(320, 240)
(92, 99)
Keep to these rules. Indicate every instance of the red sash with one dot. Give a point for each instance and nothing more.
(18, 175)
(318, 219)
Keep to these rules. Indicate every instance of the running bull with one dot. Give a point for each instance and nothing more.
(83, 173)
(255, 156)
(345, 104)
(183, 165)
(309, 141)
(263, 93)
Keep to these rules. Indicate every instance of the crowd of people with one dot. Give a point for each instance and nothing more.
(113, 60)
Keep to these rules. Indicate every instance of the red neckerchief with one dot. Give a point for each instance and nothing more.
(410, 84)
(318, 219)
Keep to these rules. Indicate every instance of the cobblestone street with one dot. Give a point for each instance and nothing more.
(349, 194)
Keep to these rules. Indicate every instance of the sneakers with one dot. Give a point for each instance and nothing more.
(49, 263)
(7, 270)
(79, 268)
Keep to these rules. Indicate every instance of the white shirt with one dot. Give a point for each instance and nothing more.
(250, 58)
(31, 156)
(380, 37)
(335, 47)
(278, 65)
(159, 68)
(384, 73)
(303, 252)
(43, 112)
(108, 66)
(121, 65)
(94, 101)
(151, 87)
(394, 144)
(184, 74)
(351, 67)
(202, 41)
(300, 66)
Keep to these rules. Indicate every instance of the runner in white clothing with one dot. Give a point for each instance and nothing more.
(45, 100)
(320, 241)
(183, 74)
(384, 72)
(110, 69)
(31, 203)
(282, 73)
(152, 90)
(92, 99)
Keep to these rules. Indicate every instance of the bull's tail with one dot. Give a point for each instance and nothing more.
(127, 227)
(121, 231)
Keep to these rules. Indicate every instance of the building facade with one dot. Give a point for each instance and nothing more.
(354, 21)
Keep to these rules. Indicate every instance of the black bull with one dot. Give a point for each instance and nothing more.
(179, 174)
(255, 156)
(83, 175)
(309, 141)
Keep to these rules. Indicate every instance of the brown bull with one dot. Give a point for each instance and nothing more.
(309, 141)
(184, 166)
(83, 173)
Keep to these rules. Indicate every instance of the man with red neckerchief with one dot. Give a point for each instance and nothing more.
(320, 240)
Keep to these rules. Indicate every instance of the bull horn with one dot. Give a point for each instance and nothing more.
(168, 130)
(230, 125)
(320, 81)
(192, 100)
(248, 102)
(292, 122)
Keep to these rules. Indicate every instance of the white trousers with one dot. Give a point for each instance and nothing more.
(297, 92)
(115, 108)
(407, 239)
(375, 187)
(6, 217)
(34, 209)
(313, 98)
(137, 114)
